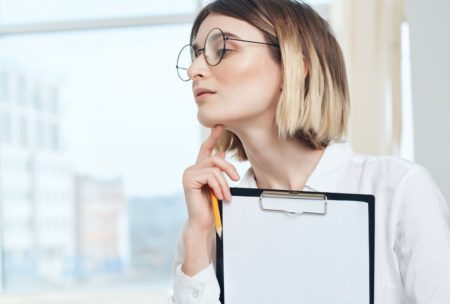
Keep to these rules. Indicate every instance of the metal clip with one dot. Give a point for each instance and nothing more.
(293, 202)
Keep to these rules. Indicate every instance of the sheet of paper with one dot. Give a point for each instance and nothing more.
(272, 257)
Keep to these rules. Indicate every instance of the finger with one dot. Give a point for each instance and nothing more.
(214, 184)
(209, 144)
(222, 164)
(220, 154)
(223, 184)
(232, 173)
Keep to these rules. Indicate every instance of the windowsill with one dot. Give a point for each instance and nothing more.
(85, 297)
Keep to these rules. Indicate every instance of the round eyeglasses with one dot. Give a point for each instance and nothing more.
(213, 50)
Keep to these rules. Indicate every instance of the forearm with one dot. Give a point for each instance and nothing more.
(201, 285)
(198, 247)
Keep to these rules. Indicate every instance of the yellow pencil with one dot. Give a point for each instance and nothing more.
(217, 220)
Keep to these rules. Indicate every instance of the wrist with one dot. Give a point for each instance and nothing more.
(193, 230)
(197, 239)
(197, 246)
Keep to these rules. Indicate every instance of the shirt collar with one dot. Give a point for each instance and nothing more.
(330, 168)
(328, 171)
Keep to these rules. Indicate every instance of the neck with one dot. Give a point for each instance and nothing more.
(278, 163)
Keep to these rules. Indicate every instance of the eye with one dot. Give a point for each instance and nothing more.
(223, 51)
(198, 52)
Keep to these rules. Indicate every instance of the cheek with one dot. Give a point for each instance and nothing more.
(238, 71)
(255, 81)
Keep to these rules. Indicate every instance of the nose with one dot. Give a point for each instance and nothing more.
(199, 68)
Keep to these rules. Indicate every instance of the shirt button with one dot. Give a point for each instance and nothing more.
(195, 294)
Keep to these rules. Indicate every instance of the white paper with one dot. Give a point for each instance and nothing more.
(272, 257)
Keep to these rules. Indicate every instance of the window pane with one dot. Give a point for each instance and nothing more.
(93, 146)
(28, 11)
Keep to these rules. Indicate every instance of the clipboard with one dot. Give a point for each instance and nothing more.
(296, 247)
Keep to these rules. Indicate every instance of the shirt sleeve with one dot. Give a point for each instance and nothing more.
(202, 288)
(422, 240)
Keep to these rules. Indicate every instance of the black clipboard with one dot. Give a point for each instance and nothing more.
(315, 208)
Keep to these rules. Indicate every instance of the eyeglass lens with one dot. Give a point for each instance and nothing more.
(213, 51)
(184, 60)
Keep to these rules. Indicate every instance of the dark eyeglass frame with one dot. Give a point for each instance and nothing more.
(196, 51)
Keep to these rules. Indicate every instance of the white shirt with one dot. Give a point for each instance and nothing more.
(412, 239)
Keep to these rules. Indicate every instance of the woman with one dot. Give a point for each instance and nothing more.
(269, 79)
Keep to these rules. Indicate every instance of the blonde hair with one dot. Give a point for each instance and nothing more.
(314, 104)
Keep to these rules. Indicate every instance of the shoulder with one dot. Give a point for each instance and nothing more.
(404, 191)
(389, 170)
(398, 180)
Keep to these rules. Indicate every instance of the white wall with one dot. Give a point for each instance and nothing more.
(430, 65)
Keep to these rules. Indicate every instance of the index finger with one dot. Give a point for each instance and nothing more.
(209, 144)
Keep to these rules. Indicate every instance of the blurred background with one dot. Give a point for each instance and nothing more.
(96, 130)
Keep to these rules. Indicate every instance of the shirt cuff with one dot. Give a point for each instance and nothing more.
(198, 289)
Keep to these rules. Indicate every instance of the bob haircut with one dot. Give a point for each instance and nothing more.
(314, 103)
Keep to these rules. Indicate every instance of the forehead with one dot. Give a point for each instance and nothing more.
(240, 28)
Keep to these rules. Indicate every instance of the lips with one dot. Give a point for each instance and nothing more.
(200, 92)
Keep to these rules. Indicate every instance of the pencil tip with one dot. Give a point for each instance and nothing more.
(219, 232)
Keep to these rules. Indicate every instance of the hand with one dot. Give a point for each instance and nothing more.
(206, 174)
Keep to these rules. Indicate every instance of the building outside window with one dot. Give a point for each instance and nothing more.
(95, 131)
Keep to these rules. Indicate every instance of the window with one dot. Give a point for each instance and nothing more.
(53, 100)
(5, 128)
(23, 131)
(4, 86)
(21, 89)
(53, 134)
(37, 96)
(107, 104)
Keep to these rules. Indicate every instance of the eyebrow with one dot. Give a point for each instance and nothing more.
(231, 35)
(227, 34)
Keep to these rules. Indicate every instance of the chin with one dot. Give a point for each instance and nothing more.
(205, 121)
